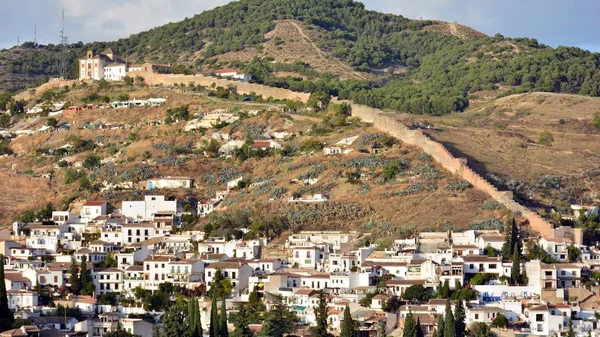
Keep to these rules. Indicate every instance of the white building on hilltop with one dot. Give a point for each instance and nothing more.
(105, 65)
(152, 204)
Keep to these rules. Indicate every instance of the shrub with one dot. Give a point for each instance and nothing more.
(546, 138)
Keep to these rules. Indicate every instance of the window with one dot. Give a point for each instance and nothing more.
(476, 316)
(471, 266)
(308, 255)
(548, 273)
(562, 272)
(539, 317)
(232, 274)
(209, 274)
(493, 266)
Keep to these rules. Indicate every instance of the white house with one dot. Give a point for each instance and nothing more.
(115, 71)
(234, 74)
(151, 204)
(93, 209)
(137, 232)
(20, 299)
(43, 236)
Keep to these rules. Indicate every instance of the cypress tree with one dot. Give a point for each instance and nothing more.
(348, 325)
(459, 319)
(410, 326)
(439, 329)
(446, 289)
(449, 330)
(419, 332)
(515, 271)
(194, 320)
(320, 330)
(6, 316)
(74, 278)
(223, 332)
(84, 279)
(213, 330)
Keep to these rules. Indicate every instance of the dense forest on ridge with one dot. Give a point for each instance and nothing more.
(439, 70)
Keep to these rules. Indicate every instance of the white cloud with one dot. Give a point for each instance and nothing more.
(113, 19)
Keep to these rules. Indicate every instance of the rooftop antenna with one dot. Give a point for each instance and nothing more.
(18, 43)
(35, 35)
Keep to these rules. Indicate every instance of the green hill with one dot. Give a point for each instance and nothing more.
(414, 66)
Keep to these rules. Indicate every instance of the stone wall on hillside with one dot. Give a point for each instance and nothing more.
(384, 122)
(455, 165)
(242, 87)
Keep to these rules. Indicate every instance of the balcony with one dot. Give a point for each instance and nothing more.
(133, 278)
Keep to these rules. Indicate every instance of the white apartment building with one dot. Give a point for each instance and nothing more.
(237, 272)
(137, 232)
(143, 210)
(43, 236)
(108, 280)
(115, 71)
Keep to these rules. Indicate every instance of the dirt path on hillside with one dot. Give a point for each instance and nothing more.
(323, 55)
(455, 31)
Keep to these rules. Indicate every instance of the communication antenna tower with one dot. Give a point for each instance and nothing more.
(64, 60)
(35, 35)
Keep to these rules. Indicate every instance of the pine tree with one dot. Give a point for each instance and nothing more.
(320, 330)
(6, 316)
(459, 319)
(279, 320)
(223, 332)
(515, 271)
(419, 332)
(241, 321)
(74, 279)
(449, 322)
(213, 330)
(173, 322)
(439, 328)
(410, 326)
(348, 325)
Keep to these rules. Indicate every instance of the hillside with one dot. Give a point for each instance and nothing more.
(501, 139)
(414, 193)
(381, 60)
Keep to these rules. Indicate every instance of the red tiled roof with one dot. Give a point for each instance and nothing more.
(226, 70)
(95, 203)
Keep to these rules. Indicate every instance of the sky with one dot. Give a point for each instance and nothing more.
(552, 22)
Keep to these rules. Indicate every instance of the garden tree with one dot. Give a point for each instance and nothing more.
(46, 212)
(417, 292)
(279, 321)
(481, 278)
(241, 322)
(255, 306)
(349, 328)
(74, 279)
(213, 329)
(91, 161)
(128, 80)
(480, 329)
(460, 319)
(449, 329)
(223, 331)
(320, 329)
(500, 321)
(515, 270)
(52, 122)
(392, 304)
(6, 316)
(419, 328)
(573, 253)
(570, 332)
(410, 326)
(439, 327)
(318, 100)
(220, 285)
(546, 138)
(174, 323)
